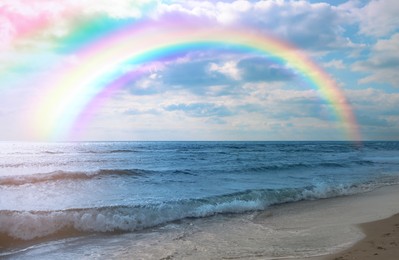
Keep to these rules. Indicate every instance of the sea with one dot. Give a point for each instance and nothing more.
(80, 195)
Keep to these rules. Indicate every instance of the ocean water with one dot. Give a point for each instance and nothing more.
(60, 191)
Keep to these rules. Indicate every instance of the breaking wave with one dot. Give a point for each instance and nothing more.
(66, 175)
(31, 225)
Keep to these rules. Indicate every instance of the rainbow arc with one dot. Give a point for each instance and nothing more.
(81, 87)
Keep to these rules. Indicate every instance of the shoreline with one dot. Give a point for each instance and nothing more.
(367, 217)
(311, 230)
(381, 241)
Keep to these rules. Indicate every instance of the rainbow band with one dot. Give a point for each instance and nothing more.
(76, 88)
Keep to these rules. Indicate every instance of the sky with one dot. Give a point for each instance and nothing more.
(92, 70)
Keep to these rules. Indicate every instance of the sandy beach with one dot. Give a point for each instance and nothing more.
(312, 230)
(361, 226)
(381, 241)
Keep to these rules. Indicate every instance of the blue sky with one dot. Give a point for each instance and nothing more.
(217, 94)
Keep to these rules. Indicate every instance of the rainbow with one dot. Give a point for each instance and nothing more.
(81, 87)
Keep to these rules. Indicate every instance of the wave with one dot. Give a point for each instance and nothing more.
(85, 175)
(52, 152)
(108, 151)
(17, 180)
(122, 151)
(32, 225)
(301, 165)
(11, 165)
(59, 152)
(67, 175)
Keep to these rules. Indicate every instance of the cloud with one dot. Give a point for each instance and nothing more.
(197, 76)
(87, 29)
(379, 18)
(228, 68)
(23, 18)
(137, 111)
(382, 65)
(336, 64)
(374, 101)
(201, 109)
(254, 69)
(149, 84)
(221, 88)
(230, 12)
(306, 107)
(367, 120)
(46, 18)
(316, 26)
(262, 69)
(210, 77)
(120, 8)
(279, 103)
(218, 11)
(311, 26)
(376, 113)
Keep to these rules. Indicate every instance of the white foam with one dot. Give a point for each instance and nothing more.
(27, 225)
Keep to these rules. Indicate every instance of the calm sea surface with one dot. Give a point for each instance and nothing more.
(48, 189)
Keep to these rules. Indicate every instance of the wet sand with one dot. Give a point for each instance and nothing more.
(381, 242)
(302, 230)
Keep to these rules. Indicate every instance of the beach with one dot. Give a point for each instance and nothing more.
(381, 241)
(322, 229)
(194, 200)
(199, 130)
(302, 230)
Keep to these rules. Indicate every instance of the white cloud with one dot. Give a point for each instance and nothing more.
(231, 12)
(309, 25)
(336, 64)
(312, 26)
(118, 9)
(379, 17)
(376, 112)
(6, 32)
(228, 68)
(382, 64)
(223, 12)
(374, 100)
